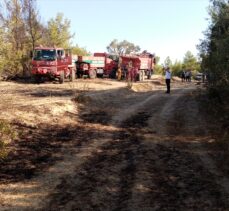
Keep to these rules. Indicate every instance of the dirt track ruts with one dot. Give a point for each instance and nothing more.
(147, 157)
(145, 166)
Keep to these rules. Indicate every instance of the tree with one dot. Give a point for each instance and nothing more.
(158, 69)
(21, 31)
(14, 36)
(176, 68)
(123, 47)
(214, 48)
(4, 46)
(58, 32)
(167, 62)
(34, 28)
(76, 50)
(190, 61)
(157, 58)
(13, 23)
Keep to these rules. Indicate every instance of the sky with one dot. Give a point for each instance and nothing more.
(163, 27)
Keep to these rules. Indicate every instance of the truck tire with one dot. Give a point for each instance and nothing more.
(92, 74)
(36, 79)
(99, 75)
(113, 74)
(141, 75)
(61, 79)
(149, 74)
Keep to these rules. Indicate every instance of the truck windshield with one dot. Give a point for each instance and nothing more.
(48, 55)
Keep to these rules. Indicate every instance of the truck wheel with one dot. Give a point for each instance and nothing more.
(113, 74)
(149, 74)
(92, 74)
(99, 75)
(36, 79)
(61, 79)
(141, 75)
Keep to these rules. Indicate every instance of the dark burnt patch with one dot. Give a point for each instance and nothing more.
(109, 175)
(97, 116)
(37, 149)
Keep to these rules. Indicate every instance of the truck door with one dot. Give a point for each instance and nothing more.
(60, 59)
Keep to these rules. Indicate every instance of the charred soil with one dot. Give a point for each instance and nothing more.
(115, 149)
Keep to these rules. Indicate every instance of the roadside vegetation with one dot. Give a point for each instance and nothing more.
(21, 30)
(215, 64)
(7, 134)
(214, 49)
(190, 62)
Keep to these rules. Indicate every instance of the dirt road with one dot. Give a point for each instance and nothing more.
(118, 150)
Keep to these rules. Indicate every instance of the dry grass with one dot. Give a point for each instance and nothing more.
(7, 134)
(129, 84)
(79, 92)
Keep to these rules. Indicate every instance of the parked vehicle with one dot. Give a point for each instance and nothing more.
(199, 76)
(103, 64)
(97, 65)
(52, 63)
(143, 65)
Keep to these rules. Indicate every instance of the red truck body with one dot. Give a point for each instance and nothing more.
(142, 65)
(109, 63)
(99, 64)
(52, 63)
(106, 64)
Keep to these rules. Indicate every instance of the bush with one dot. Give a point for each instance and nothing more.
(7, 134)
(158, 70)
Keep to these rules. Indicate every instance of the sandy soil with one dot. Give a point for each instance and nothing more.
(98, 145)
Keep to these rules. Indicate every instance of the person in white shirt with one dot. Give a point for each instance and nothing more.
(167, 79)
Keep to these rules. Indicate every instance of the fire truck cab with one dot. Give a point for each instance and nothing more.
(52, 63)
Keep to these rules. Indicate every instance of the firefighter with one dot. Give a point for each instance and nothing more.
(130, 71)
(168, 79)
(125, 70)
(119, 72)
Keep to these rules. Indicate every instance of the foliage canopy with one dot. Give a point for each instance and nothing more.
(123, 47)
(214, 48)
(21, 31)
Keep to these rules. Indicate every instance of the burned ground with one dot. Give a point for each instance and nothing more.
(132, 173)
(117, 150)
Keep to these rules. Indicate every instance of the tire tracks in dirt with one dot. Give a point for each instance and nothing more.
(106, 181)
(96, 172)
(32, 194)
(186, 182)
(138, 163)
(197, 127)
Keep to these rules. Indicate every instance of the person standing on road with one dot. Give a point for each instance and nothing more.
(187, 76)
(183, 75)
(119, 72)
(167, 79)
(130, 71)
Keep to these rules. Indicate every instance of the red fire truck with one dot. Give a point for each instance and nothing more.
(99, 64)
(142, 65)
(52, 63)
